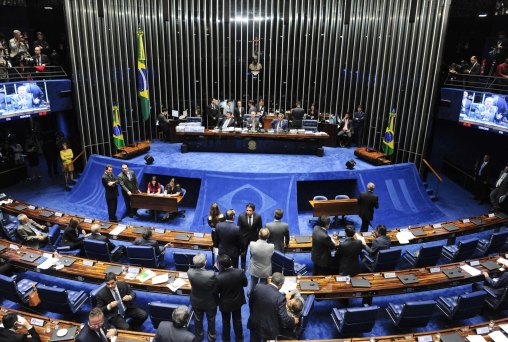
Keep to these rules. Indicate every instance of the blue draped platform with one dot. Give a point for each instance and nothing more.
(269, 181)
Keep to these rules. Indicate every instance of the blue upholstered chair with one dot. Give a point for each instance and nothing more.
(93, 295)
(461, 307)
(56, 299)
(144, 256)
(384, 260)
(16, 291)
(287, 265)
(495, 244)
(425, 256)
(162, 312)
(8, 230)
(462, 251)
(496, 301)
(183, 261)
(99, 250)
(411, 314)
(304, 318)
(317, 198)
(355, 320)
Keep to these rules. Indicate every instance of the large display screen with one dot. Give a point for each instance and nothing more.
(22, 99)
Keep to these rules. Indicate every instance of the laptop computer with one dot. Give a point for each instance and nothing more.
(139, 230)
(360, 282)
(105, 225)
(501, 215)
(417, 232)
(450, 227)
(407, 279)
(20, 207)
(30, 257)
(453, 273)
(302, 239)
(114, 269)
(490, 265)
(309, 286)
(183, 237)
(69, 334)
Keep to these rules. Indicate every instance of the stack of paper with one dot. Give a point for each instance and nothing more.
(361, 238)
(120, 228)
(502, 261)
(471, 270)
(498, 336)
(48, 263)
(405, 236)
(163, 278)
(475, 338)
(174, 286)
(145, 275)
(289, 285)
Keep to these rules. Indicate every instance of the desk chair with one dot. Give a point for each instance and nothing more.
(286, 265)
(355, 320)
(163, 311)
(304, 318)
(343, 222)
(99, 250)
(411, 314)
(16, 291)
(461, 307)
(495, 244)
(464, 250)
(93, 295)
(425, 256)
(496, 302)
(385, 260)
(317, 198)
(56, 299)
(183, 261)
(145, 256)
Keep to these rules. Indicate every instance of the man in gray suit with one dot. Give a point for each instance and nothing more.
(31, 233)
(279, 231)
(129, 185)
(501, 189)
(203, 296)
(176, 330)
(260, 266)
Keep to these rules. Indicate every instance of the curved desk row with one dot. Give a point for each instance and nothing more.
(329, 287)
(199, 241)
(46, 327)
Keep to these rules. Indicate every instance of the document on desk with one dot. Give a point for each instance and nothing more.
(498, 336)
(475, 338)
(174, 286)
(404, 237)
(504, 327)
(502, 261)
(118, 229)
(361, 238)
(163, 278)
(289, 285)
(471, 270)
(48, 263)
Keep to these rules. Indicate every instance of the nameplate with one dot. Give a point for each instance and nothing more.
(434, 269)
(474, 263)
(389, 275)
(425, 338)
(482, 330)
(87, 263)
(160, 230)
(11, 246)
(88, 220)
(342, 279)
(38, 322)
(492, 215)
(466, 221)
(31, 207)
(199, 235)
(58, 214)
(437, 225)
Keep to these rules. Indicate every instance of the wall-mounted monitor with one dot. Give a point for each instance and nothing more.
(23, 99)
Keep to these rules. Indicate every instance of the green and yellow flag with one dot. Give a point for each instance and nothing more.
(117, 129)
(389, 138)
(143, 78)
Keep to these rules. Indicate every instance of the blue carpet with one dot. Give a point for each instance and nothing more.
(270, 181)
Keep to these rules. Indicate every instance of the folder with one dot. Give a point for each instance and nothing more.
(450, 227)
(309, 286)
(30, 257)
(417, 232)
(20, 207)
(490, 265)
(183, 237)
(407, 279)
(360, 282)
(66, 261)
(451, 338)
(453, 273)
(46, 213)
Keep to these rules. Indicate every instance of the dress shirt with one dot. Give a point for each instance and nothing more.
(500, 180)
(481, 168)
(118, 298)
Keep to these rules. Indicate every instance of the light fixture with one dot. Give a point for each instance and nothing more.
(482, 14)
(48, 7)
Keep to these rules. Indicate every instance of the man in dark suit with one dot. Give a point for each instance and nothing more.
(366, 204)
(163, 121)
(279, 231)
(261, 109)
(129, 184)
(230, 284)
(239, 112)
(116, 301)
(203, 296)
(228, 238)
(253, 123)
(96, 330)
(31, 233)
(482, 175)
(250, 223)
(95, 234)
(40, 58)
(345, 127)
(475, 66)
(495, 286)
(297, 114)
(322, 245)
(146, 240)
(176, 330)
(501, 189)
(212, 113)
(280, 124)
(110, 182)
(226, 121)
(268, 313)
(11, 323)
(348, 253)
(380, 242)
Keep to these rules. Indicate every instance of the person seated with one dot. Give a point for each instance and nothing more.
(71, 235)
(95, 234)
(97, 328)
(5, 267)
(12, 322)
(22, 99)
(494, 285)
(280, 124)
(154, 187)
(294, 307)
(226, 121)
(345, 130)
(380, 242)
(253, 123)
(31, 233)
(172, 190)
(39, 58)
(176, 329)
(145, 240)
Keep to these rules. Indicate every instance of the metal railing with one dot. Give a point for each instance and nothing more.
(477, 82)
(434, 172)
(13, 74)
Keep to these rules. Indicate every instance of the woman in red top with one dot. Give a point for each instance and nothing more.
(154, 187)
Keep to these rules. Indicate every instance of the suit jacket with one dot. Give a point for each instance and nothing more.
(475, 69)
(28, 236)
(268, 314)
(143, 242)
(321, 246)
(167, 332)
(111, 191)
(203, 295)
(239, 113)
(44, 60)
(71, 237)
(249, 233)
(297, 116)
(104, 238)
(261, 259)
(104, 297)
(11, 336)
(347, 256)
(232, 122)
(212, 115)
(498, 286)
(379, 243)
(230, 284)
(486, 172)
(229, 239)
(279, 234)
(275, 124)
(366, 203)
(343, 123)
(88, 335)
(253, 124)
(126, 184)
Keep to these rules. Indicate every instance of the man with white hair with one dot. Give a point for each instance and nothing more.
(96, 235)
(366, 204)
(22, 99)
(31, 233)
(18, 46)
(176, 329)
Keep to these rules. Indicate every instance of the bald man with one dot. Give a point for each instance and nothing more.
(366, 204)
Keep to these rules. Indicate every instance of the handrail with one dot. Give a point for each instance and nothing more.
(432, 170)
(79, 155)
(458, 169)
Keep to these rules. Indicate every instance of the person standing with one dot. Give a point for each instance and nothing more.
(129, 185)
(498, 195)
(348, 253)
(250, 223)
(212, 113)
(366, 204)
(482, 174)
(322, 245)
(228, 238)
(66, 156)
(230, 284)
(110, 182)
(203, 296)
(279, 231)
(260, 266)
(359, 124)
(176, 330)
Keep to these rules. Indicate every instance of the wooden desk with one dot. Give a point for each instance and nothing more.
(156, 202)
(331, 130)
(335, 207)
(372, 156)
(123, 335)
(131, 151)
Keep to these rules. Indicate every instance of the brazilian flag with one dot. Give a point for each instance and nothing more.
(117, 129)
(389, 138)
(143, 78)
